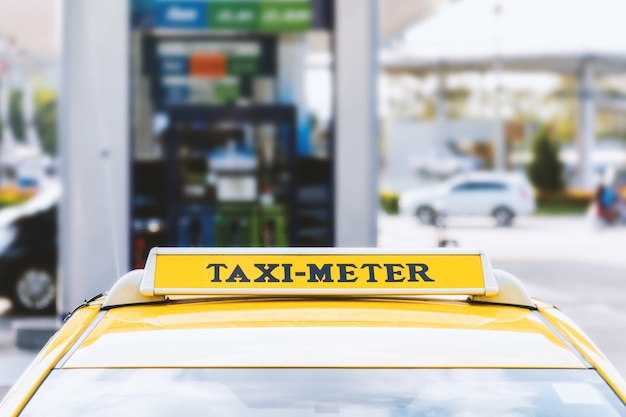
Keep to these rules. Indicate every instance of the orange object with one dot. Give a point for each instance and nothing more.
(207, 65)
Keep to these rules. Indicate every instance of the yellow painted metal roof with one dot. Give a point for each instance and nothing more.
(314, 332)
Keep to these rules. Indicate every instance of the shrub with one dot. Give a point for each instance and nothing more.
(389, 202)
(569, 201)
(545, 170)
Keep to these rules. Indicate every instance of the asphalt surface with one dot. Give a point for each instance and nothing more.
(570, 262)
(13, 361)
(567, 261)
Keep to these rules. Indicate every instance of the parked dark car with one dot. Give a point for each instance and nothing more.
(28, 261)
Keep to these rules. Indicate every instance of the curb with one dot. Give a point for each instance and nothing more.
(34, 334)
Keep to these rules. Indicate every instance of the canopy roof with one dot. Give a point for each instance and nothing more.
(525, 35)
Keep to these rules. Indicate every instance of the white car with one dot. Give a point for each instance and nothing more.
(498, 194)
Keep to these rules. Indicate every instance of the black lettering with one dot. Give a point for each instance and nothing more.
(421, 272)
(319, 274)
(266, 273)
(370, 268)
(216, 272)
(392, 272)
(237, 274)
(343, 272)
(287, 268)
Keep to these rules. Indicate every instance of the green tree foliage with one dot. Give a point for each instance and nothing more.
(16, 116)
(545, 170)
(46, 119)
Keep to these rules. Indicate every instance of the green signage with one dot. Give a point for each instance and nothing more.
(231, 15)
(225, 92)
(262, 15)
(285, 16)
(242, 65)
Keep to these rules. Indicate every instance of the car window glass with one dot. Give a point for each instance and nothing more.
(310, 392)
(489, 186)
(464, 186)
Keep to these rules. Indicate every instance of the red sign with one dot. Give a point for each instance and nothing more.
(207, 65)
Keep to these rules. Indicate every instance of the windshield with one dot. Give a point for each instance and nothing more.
(314, 392)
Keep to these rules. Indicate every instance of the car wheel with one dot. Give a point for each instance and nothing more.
(35, 290)
(503, 216)
(426, 215)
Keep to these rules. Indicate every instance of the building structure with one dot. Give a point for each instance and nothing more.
(511, 35)
(196, 131)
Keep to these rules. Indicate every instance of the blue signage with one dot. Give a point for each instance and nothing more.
(173, 65)
(182, 15)
(175, 94)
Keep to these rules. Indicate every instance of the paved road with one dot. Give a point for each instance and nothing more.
(13, 361)
(579, 267)
(566, 261)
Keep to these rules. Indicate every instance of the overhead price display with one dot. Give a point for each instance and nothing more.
(284, 17)
(181, 15)
(228, 16)
(248, 15)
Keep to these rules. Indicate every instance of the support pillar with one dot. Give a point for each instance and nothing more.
(499, 139)
(441, 109)
(93, 221)
(356, 160)
(586, 127)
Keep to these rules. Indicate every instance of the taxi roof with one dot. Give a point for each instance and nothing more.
(314, 332)
(319, 308)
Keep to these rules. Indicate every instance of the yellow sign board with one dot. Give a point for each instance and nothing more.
(187, 271)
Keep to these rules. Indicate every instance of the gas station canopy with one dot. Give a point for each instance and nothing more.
(524, 35)
(568, 64)
(580, 38)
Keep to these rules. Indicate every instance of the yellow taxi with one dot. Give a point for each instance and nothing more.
(311, 332)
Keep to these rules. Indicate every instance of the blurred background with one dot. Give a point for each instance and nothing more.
(497, 124)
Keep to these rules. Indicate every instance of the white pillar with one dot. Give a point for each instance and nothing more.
(94, 149)
(499, 141)
(28, 101)
(441, 109)
(356, 158)
(8, 145)
(586, 126)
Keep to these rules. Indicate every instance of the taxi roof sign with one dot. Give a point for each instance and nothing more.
(327, 271)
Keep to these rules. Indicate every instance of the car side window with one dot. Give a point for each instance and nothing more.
(464, 186)
(479, 186)
(491, 186)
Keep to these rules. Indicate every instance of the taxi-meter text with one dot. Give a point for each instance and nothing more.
(341, 272)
